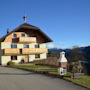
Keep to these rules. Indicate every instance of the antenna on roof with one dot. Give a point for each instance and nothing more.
(25, 18)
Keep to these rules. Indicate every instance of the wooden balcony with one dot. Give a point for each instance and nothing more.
(24, 39)
(11, 51)
(34, 50)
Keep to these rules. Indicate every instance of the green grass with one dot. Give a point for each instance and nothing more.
(31, 66)
(85, 81)
(37, 68)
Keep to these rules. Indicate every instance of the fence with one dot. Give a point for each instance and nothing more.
(49, 61)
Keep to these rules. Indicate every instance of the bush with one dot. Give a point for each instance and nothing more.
(22, 61)
(10, 63)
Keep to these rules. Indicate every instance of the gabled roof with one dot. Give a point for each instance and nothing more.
(26, 26)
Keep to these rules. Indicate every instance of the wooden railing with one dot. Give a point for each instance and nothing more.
(24, 39)
(11, 51)
(24, 51)
(34, 50)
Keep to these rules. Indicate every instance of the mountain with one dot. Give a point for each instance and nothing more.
(85, 51)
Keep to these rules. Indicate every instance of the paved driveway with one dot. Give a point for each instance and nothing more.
(14, 79)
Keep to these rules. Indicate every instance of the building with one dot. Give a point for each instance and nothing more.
(25, 43)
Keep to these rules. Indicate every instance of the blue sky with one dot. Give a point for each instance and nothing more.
(66, 22)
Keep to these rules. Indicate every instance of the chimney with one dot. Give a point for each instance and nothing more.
(7, 30)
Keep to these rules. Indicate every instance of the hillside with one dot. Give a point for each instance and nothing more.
(84, 51)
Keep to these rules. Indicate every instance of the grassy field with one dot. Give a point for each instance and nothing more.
(85, 81)
(38, 68)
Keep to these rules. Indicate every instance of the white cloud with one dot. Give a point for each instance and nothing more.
(83, 45)
(54, 45)
(62, 42)
(50, 45)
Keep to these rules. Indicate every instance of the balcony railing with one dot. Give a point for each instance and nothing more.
(24, 51)
(24, 39)
(11, 51)
(34, 50)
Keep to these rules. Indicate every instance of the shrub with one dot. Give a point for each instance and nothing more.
(22, 61)
(10, 63)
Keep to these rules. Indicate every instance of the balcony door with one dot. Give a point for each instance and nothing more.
(26, 58)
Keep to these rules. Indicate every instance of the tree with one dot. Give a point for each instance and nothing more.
(87, 52)
(76, 55)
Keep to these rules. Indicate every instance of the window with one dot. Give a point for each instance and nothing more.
(13, 57)
(14, 35)
(26, 46)
(22, 35)
(37, 46)
(37, 56)
(13, 45)
(28, 35)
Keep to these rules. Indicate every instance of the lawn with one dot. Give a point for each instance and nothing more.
(38, 68)
(85, 81)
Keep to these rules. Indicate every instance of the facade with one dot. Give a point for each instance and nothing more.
(24, 44)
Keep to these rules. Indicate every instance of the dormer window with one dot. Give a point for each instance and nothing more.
(22, 35)
(14, 35)
(28, 35)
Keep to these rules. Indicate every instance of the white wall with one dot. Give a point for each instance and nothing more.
(5, 45)
(43, 56)
(19, 45)
(42, 45)
(32, 45)
(31, 58)
(5, 60)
